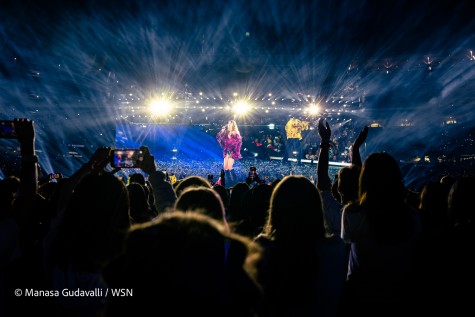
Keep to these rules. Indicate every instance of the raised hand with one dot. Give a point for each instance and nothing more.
(148, 161)
(355, 153)
(361, 137)
(324, 129)
(323, 180)
(99, 159)
(25, 131)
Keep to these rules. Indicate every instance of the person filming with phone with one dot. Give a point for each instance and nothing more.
(252, 177)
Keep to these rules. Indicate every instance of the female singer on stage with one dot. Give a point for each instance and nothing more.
(230, 141)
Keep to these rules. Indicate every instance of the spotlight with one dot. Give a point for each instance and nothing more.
(241, 108)
(313, 109)
(160, 107)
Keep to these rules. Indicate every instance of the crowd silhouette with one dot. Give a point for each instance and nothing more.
(359, 244)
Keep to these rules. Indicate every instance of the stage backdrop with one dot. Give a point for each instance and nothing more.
(168, 142)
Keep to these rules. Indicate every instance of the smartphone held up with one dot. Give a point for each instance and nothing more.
(126, 158)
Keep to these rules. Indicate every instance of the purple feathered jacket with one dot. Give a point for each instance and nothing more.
(231, 144)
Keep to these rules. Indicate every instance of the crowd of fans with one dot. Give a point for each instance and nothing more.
(110, 242)
(268, 170)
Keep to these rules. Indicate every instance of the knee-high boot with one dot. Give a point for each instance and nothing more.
(234, 177)
(227, 179)
(222, 178)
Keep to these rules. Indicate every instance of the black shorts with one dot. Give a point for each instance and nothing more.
(227, 152)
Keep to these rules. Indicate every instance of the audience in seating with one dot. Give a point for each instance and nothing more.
(291, 248)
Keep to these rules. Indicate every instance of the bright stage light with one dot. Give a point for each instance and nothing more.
(160, 107)
(241, 108)
(313, 109)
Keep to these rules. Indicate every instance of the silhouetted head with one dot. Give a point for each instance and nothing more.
(95, 222)
(235, 201)
(348, 178)
(380, 179)
(203, 200)
(137, 178)
(255, 209)
(296, 210)
(191, 181)
(160, 176)
(139, 207)
(382, 194)
(180, 259)
(223, 193)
